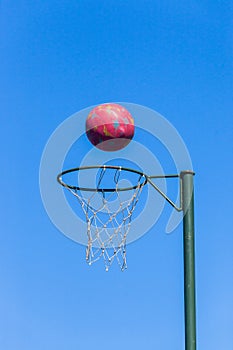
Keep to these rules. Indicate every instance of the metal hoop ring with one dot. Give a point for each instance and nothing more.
(143, 176)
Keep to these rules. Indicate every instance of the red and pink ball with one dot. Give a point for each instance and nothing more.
(110, 127)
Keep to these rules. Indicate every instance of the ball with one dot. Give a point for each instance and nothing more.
(110, 127)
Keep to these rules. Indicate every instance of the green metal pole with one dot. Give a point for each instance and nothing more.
(189, 259)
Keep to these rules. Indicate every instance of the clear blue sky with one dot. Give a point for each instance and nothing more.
(58, 57)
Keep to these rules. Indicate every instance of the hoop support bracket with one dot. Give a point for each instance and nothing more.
(180, 176)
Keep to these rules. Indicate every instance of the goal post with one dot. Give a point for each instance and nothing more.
(108, 227)
(189, 258)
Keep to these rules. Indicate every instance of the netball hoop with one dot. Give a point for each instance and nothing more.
(107, 209)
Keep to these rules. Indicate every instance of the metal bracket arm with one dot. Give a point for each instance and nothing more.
(149, 179)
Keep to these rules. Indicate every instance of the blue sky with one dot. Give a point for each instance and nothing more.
(57, 58)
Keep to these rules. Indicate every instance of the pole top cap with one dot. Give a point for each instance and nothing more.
(186, 172)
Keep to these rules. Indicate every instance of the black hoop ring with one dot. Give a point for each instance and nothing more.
(143, 176)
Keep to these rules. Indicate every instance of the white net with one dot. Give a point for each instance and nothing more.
(108, 216)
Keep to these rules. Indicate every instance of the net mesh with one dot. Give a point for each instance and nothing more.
(108, 216)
